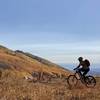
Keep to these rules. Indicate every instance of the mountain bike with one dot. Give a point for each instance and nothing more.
(89, 81)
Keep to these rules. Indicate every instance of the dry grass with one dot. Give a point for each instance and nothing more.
(13, 87)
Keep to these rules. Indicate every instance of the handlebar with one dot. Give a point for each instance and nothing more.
(76, 69)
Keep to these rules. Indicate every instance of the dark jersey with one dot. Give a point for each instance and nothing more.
(85, 64)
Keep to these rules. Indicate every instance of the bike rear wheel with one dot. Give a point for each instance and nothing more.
(72, 80)
(90, 81)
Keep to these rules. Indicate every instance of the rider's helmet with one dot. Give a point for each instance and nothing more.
(80, 58)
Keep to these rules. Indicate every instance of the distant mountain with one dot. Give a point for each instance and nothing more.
(26, 62)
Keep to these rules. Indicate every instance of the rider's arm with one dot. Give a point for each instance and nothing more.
(77, 66)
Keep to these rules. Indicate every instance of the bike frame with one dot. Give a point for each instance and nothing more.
(79, 75)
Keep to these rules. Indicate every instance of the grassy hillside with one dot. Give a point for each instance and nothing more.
(26, 62)
(14, 65)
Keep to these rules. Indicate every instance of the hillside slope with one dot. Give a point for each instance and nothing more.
(26, 62)
(14, 87)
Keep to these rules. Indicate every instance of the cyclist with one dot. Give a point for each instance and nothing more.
(84, 64)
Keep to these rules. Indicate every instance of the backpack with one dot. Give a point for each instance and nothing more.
(87, 62)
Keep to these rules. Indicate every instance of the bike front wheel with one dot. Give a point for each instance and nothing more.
(72, 80)
(90, 81)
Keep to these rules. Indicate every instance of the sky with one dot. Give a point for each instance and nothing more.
(57, 30)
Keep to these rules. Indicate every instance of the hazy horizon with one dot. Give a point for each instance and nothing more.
(57, 30)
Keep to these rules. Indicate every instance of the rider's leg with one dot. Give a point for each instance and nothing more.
(85, 72)
(80, 70)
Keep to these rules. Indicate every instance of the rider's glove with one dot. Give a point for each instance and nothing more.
(75, 68)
